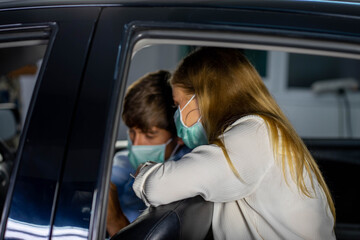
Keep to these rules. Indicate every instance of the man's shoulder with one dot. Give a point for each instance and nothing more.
(181, 152)
(121, 164)
(121, 168)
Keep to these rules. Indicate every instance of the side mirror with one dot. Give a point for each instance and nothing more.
(8, 121)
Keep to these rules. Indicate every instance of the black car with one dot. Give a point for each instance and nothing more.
(65, 66)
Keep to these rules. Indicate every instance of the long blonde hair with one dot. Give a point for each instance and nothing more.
(228, 87)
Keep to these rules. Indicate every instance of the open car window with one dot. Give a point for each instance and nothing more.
(318, 90)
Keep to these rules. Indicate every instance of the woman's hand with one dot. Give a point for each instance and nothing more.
(142, 165)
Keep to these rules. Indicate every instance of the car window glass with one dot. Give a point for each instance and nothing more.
(20, 63)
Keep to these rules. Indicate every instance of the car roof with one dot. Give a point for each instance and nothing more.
(341, 7)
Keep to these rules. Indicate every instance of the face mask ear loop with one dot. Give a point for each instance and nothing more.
(187, 103)
(128, 138)
(168, 141)
(174, 151)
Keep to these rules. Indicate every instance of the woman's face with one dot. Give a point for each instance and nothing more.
(191, 113)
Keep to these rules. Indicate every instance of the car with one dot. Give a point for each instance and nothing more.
(65, 66)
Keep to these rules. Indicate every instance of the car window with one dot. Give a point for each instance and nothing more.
(318, 92)
(20, 62)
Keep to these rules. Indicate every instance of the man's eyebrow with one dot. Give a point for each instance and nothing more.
(152, 131)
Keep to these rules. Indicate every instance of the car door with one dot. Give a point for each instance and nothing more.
(82, 195)
(31, 199)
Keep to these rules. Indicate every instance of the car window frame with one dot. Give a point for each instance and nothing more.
(140, 34)
(25, 35)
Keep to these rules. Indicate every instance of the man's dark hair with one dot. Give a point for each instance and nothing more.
(148, 103)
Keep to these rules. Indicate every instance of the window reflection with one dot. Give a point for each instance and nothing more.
(23, 230)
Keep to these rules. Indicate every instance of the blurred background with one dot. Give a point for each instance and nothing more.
(319, 94)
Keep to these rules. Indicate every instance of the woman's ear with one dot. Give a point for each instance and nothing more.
(179, 141)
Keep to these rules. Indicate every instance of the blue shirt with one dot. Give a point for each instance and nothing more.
(131, 205)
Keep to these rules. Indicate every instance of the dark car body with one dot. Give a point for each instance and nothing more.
(61, 173)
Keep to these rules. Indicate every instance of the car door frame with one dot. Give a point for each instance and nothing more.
(119, 28)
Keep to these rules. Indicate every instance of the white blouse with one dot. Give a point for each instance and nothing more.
(261, 206)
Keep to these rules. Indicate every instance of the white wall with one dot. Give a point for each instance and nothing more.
(312, 115)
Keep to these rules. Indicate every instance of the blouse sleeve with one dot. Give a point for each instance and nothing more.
(205, 170)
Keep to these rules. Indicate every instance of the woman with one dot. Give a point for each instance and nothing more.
(256, 169)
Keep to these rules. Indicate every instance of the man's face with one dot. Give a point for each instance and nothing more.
(155, 136)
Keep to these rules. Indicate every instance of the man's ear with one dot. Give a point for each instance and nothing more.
(179, 141)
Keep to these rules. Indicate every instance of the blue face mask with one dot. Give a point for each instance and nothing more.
(139, 154)
(192, 136)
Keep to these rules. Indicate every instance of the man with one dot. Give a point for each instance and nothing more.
(148, 113)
